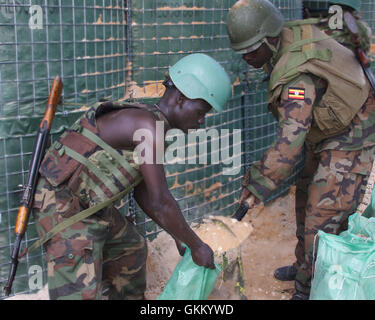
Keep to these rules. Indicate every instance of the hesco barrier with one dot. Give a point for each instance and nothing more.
(116, 50)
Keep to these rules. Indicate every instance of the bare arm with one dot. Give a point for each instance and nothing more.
(152, 194)
(154, 198)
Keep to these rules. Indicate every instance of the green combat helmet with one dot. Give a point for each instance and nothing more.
(355, 4)
(199, 76)
(251, 21)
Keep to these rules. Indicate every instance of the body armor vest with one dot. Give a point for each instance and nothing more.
(94, 171)
(306, 49)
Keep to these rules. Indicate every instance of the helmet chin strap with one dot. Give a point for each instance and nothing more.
(274, 49)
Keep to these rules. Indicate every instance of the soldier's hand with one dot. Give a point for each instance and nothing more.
(203, 256)
(247, 196)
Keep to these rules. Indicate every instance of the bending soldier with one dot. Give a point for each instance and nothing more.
(94, 160)
(321, 98)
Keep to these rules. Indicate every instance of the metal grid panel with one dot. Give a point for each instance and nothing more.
(83, 41)
(368, 14)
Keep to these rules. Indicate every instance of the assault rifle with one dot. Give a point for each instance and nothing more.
(361, 55)
(29, 190)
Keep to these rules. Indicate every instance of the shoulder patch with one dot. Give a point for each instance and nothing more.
(296, 93)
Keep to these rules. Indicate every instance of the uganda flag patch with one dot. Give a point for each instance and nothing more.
(296, 94)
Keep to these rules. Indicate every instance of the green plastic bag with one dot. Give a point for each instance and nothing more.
(190, 281)
(345, 264)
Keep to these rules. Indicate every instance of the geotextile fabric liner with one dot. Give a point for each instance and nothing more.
(345, 265)
(116, 50)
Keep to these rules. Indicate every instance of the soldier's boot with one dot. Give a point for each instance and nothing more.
(300, 296)
(302, 292)
(287, 273)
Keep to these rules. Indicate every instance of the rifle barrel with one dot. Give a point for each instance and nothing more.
(14, 265)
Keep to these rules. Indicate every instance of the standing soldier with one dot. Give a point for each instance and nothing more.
(94, 161)
(321, 98)
(341, 35)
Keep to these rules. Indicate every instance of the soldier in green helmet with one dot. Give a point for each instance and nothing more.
(320, 10)
(94, 161)
(325, 109)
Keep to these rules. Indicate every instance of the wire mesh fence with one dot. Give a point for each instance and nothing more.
(121, 50)
(368, 14)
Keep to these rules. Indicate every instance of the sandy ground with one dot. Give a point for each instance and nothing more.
(270, 246)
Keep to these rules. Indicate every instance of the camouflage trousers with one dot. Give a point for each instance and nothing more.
(329, 191)
(103, 251)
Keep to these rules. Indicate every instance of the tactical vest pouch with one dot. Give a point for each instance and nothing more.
(57, 167)
(326, 125)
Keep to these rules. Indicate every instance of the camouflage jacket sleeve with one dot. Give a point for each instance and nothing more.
(294, 121)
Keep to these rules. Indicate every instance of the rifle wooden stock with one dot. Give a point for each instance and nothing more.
(362, 56)
(22, 219)
(53, 101)
(29, 190)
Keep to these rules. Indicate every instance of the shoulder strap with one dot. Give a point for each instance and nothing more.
(294, 23)
(299, 44)
(109, 106)
(78, 217)
(113, 152)
(300, 52)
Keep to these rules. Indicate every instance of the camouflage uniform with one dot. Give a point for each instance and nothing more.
(343, 36)
(336, 170)
(105, 249)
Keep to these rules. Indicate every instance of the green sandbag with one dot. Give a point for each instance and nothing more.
(345, 264)
(190, 281)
